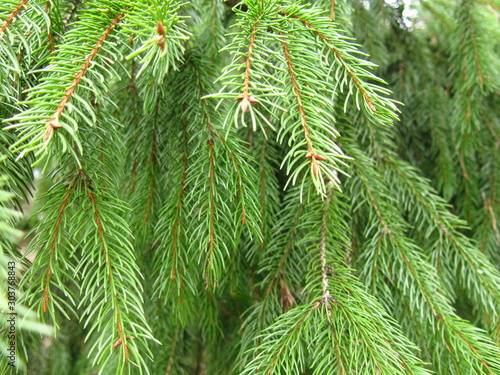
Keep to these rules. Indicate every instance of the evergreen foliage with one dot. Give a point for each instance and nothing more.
(251, 187)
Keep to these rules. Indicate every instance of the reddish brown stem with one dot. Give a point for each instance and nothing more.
(298, 96)
(53, 122)
(13, 16)
(102, 234)
(246, 82)
(62, 209)
(332, 10)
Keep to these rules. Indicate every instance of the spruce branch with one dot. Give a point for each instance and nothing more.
(466, 350)
(19, 174)
(22, 46)
(53, 122)
(269, 189)
(53, 242)
(146, 158)
(159, 37)
(245, 193)
(352, 72)
(13, 15)
(67, 84)
(255, 58)
(108, 271)
(170, 260)
(478, 277)
(157, 206)
(53, 265)
(339, 310)
(472, 77)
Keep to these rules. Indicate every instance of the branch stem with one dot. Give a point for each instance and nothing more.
(13, 16)
(53, 122)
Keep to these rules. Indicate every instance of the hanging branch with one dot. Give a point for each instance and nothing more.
(314, 158)
(52, 262)
(351, 71)
(152, 162)
(477, 275)
(338, 310)
(25, 318)
(414, 272)
(69, 86)
(53, 242)
(322, 250)
(53, 122)
(246, 99)
(108, 269)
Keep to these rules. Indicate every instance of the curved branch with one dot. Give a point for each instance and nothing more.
(53, 122)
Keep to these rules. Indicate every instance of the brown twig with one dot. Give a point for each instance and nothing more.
(62, 209)
(53, 122)
(102, 238)
(13, 15)
(313, 156)
(245, 98)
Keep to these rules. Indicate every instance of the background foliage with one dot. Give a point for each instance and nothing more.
(264, 186)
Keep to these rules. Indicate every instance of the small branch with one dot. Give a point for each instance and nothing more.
(369, 101)
(270, 368)
(311, 155)
(12, 16)
(263, 195)
(211, 202)
(332, 10)
(53, 122)
(298, 96)
(245, 98)
(135, 120)
(238, 173)
(152, 162)
(445, 229)
(211, 179)
(102, 238)
(387, 231)
(46, 297)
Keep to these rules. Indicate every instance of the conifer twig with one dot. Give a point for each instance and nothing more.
(311, 154)
(13, 16)
(53, 122)
(338, 55)
(53, 243)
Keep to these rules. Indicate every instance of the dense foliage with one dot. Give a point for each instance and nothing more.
(251, 187)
